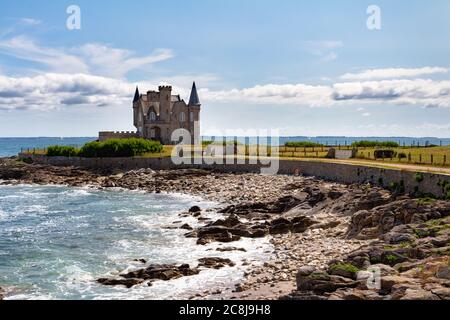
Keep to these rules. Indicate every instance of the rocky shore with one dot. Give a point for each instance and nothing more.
(331, 241)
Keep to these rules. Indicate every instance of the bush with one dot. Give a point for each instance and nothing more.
(108, 149)
(62, 151)
(384, 154)
(402, 155)
(374, 144)
(120, 148)
(418, 177)
(302, 144)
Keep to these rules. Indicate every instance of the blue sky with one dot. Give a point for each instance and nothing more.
(304, 68)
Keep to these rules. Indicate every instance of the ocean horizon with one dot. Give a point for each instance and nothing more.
(11, 146)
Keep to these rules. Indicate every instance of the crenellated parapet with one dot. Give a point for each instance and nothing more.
(106, 135)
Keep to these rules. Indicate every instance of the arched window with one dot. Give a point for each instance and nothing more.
(182, 117)
(152, 116)
(191, 116)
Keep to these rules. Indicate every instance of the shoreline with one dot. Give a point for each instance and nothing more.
(310, 221)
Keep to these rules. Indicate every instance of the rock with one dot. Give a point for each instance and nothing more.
(443, 272)
(130, 282)
(391, 257)
(321, 282)
(231, 221)
(226, 249)
(418, 294)
(215, 262)
(195, 209)
(354, 294)
(345, 270)
(280, 226)
(186, 227)
(140, 260)
(301, 223)
(153, 272)
(388, 282)
(305, 270)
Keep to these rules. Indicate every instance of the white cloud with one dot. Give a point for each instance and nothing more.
(118, 62)
(393, 73)
(51, 90)
(56, 59)
(366, 114)
(30, 21)
(326, 50)
(90, 58)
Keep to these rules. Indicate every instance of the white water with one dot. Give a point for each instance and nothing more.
(56, 241)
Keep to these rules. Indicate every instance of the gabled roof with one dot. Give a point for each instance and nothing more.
(194, 100)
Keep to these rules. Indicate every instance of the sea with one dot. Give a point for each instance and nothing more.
(12, 146)
(56, 241)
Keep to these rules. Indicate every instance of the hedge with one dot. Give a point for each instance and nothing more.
(302, 144)
(374, 144)
(109, 149)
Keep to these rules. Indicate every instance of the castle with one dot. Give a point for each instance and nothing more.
(157, 114)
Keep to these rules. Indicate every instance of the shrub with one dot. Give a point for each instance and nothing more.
(418, 177)
(62, 151)
(374, 144)
(120, 148)
(383, 154)
(402, 155)
(302, 144)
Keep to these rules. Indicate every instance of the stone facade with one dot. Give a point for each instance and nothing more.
(157, 114)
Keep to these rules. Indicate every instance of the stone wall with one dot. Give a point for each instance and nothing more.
(344, 173)
(105, 135)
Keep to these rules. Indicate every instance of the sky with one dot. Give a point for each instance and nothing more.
(310, 68)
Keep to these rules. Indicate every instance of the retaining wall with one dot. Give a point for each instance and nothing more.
(344, 173)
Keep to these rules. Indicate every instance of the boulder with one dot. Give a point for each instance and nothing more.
(130, 282)
(321, 282)
(195, 209)
(215, 262)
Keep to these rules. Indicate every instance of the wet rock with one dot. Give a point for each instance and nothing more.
(215, 262)
(231, 221)
(130, 282)
(227, 249)
(195, 209)
(186, 227)
(140, 260)
(153, 272)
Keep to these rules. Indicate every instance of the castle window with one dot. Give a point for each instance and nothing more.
(191, 116)
(152, 116)
(182, 117)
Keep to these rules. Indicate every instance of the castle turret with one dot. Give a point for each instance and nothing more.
(136, 111)
(194, 100)
(165, 94)
(194, 114)
(136, 95)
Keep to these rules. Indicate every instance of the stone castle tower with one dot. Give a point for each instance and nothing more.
(158, 113)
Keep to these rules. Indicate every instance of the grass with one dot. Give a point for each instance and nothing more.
(438, 156)
(364, 155)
